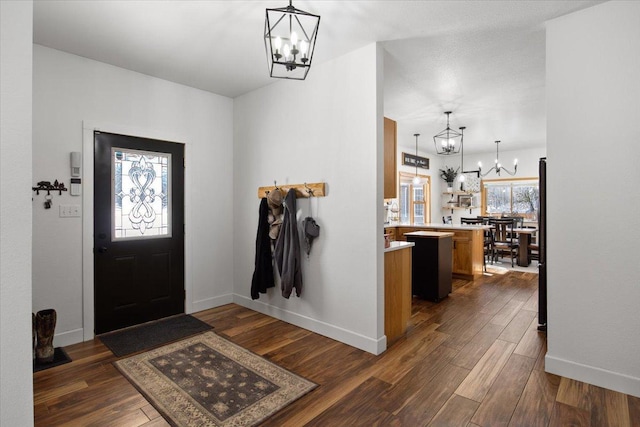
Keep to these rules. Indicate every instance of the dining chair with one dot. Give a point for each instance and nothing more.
(488, 239)
(534, 251)
(486, 219)
(519, 221)
(470, 220)
(503, 239)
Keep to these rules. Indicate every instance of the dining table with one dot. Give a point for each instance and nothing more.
(525, 235)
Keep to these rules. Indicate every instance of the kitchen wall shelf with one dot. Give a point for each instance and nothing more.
(455, 197)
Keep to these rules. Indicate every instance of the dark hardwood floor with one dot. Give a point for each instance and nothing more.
(474, 359)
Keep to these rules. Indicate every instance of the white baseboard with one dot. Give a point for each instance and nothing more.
(64, 339)
(596, 376)
(208, 303)
(334, 332)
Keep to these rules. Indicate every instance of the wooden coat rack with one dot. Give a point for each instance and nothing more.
(314, 189)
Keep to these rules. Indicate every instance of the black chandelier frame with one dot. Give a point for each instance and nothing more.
(297, 64)
(498, 166)
(441, 140)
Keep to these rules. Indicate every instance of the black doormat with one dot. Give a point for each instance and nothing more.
(153, 334)
(60, 357)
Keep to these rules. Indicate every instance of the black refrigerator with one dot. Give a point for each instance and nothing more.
(542, 244)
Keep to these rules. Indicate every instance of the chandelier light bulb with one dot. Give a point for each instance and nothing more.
(515, 162)
(277, 43)
(303, 48)
(416, 180)
(294, 39)
(287, 51)
(479, 164)
(461, 178)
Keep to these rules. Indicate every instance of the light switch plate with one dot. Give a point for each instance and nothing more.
(70, 211)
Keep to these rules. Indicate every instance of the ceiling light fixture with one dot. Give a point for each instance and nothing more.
(497, 166)
(416, 179)
(289, 40)
(445, 141)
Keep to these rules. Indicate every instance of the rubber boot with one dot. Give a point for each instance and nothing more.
(45, 326)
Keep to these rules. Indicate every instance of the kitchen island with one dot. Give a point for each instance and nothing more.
(397, 289)
(468, 245)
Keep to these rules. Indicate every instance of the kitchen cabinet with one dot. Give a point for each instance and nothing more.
(467, 252)
(400, 231)
(397, 290)
(390, 153)
(391, 231)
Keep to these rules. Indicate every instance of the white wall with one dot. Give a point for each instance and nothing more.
(16, 389)
(593, 94)
(68, 91)
(326, 128)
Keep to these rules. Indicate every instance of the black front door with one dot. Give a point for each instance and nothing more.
(138, 230)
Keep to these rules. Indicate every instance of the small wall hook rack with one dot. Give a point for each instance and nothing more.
(48, 187)
(314, 189)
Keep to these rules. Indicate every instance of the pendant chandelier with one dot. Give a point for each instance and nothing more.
(497, 166)
(448, 141)
(289, 40)
(416, 179)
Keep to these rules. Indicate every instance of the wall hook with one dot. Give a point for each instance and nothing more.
(309, 190)
(48, 187)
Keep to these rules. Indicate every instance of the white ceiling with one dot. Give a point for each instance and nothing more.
(483, 60)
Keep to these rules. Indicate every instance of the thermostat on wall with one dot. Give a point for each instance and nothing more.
(76, 187)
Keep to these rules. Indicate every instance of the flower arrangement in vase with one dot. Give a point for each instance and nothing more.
(449, 175)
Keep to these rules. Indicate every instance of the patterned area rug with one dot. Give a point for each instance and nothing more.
(207, 380)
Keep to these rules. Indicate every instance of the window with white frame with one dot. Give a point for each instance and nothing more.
(511, 197)
(414, 200)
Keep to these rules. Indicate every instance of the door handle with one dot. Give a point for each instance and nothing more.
(102, 249)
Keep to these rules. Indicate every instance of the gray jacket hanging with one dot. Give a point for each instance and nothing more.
(287, 250)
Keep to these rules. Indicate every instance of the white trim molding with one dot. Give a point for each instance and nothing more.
(334, 332)
(592, 375)
(208, 303)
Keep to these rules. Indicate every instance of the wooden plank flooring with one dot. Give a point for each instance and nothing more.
(475, 359)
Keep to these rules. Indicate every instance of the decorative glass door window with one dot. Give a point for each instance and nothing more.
(141, 199)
